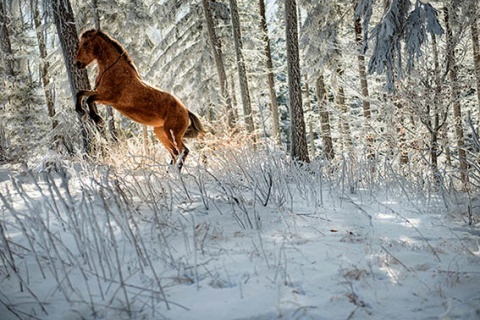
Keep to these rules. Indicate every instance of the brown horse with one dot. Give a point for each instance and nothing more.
(118, 84)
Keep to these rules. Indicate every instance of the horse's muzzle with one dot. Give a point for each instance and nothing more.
(80, 64)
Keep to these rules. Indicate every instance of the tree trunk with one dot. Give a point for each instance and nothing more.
(9, 69)
(6, 46)
(3, 142)
(367, 126)
(325, 119)
(436, 101)
(242, 70)
(78, 79)
(271, 80)
(233, 93)
(438, 118)
(343, 110)
(297, 122)
(476, 56)
(44, 67)
(308, 107)
(218, 56)
(146, 148)
(457, 109)
(96, 15)
(400, 125)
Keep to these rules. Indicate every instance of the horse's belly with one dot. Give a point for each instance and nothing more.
(146, 118)
(150, 106)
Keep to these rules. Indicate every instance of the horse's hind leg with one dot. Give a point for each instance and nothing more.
(174, 145)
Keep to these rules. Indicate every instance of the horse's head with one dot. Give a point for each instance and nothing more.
(86, 49)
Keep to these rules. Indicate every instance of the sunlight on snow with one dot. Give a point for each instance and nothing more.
(412, 222)
(386, 216)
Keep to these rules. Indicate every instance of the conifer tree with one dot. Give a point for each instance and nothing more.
(270, 75)
(297, 123)
(362, 73)
(78, 79)
(42, 48)
(324, 118)
(219, 63)
(475, 47)
(455, 91)
(8, 69)
(5, 42)
(241, 68)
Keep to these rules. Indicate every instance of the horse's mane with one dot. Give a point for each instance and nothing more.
(120, 49)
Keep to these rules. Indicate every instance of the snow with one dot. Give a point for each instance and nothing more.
(101, 242)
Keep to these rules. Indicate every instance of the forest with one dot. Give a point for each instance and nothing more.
(396, 81)
(347, 125)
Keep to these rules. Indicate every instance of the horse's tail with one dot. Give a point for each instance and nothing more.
(195, 128)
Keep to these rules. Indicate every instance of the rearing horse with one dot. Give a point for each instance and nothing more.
(118, 84)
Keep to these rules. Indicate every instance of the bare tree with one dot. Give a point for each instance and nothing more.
(297, 122)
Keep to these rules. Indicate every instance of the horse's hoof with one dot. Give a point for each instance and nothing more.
(98, 120)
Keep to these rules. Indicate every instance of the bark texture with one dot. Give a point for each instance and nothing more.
(457, 108)
(78, 79)
(270, 76)
(218, 57)
(242, 70)
(297, 122)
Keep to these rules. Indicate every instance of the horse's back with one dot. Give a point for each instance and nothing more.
(151, 106)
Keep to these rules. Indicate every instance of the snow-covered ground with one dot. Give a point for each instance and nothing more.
(244, 238)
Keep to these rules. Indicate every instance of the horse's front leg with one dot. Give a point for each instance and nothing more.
(92, 96)
(92, 110)
(80, 96)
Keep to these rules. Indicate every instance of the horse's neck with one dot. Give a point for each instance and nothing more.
(112, 59)
(107, 59)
